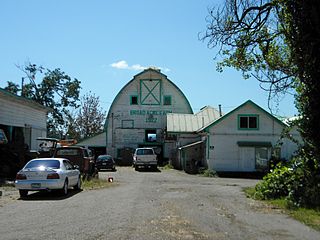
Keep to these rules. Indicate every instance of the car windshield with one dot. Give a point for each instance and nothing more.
(68, 152)
(144, 152)
(104, 158)
(43, 164)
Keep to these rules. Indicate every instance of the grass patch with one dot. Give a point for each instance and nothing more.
(96, 183)
(310, 217)
(207, 173)
(167, 167)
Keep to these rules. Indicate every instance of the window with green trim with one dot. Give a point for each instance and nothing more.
(134, 100)
(248, 122)
(167, 100)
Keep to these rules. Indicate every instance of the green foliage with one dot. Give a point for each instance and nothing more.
(168, 166)
(12, 87)
(277, 42)
(207, 172)
(308, 216)
(57, 91)
(276, 184)
(96, 183)
(89, 120)
(298, 182)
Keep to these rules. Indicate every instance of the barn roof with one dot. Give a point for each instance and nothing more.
(22, 100)
(191, 122)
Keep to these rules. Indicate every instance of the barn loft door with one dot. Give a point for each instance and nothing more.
(150, 92)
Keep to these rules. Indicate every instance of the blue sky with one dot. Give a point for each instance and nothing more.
(105, 43)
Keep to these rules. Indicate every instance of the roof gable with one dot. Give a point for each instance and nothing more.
(238, 108)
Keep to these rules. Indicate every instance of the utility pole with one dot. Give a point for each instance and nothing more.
(22, 82)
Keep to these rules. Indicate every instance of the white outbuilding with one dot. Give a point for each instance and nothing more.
(245, 139)
(22, 119)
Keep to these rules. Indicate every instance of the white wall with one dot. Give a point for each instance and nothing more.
(225, 154)
(17, 114)
(121, 110)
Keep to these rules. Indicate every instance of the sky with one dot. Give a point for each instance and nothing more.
(104, 43)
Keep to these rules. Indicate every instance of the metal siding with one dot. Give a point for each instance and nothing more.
(15, 114)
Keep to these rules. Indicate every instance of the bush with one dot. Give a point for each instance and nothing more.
(298, 181)
(276, 184)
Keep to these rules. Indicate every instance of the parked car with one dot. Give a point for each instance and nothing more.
(48, 174)
(144, 157)
(105, 162)
(79, 156)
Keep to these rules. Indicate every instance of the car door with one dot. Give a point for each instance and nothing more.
(72, 173)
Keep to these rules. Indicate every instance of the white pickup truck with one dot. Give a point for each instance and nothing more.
(145, 157)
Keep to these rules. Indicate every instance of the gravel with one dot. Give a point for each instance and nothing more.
(166, 204)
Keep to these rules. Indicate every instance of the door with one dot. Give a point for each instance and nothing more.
(247, 159)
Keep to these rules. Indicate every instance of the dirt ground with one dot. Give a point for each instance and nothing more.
(164, 204)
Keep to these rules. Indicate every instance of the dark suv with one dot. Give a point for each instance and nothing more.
(105, 162)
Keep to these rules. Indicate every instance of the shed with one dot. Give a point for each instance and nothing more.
(245, 139)
(22, 119)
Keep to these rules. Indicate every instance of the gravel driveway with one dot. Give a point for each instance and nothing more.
(167, 204)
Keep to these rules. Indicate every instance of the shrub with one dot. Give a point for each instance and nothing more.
(298, 181)
(276, 184)
(207, 172)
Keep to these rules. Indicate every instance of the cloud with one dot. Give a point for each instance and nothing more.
(120, 65)
(136, 67)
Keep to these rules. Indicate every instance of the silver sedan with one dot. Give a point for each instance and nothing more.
(48, 174)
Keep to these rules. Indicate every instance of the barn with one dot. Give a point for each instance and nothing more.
(137, 116)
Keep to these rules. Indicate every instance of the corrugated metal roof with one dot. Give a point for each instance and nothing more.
(177, 122)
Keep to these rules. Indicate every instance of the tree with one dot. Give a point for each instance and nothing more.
(12, 87)
(252, 37)
(278, 43)
(57, 91)
(90, 118)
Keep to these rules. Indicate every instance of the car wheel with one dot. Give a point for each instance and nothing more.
(64, 190)
(23, 193)
(78, 186)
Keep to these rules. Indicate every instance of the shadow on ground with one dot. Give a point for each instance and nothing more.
(51, 195)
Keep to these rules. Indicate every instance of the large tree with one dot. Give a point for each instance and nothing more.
(56, 90)
(90, 117)
(278, 43)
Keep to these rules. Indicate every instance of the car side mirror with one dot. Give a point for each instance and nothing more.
(76, 167)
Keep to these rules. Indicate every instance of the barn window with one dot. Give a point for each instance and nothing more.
(151, 135)
(248, 122)
(134, 100)
(167, 100)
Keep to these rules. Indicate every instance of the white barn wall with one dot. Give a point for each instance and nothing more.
(119, 136)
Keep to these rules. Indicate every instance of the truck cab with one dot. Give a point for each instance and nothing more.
(78, 156)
